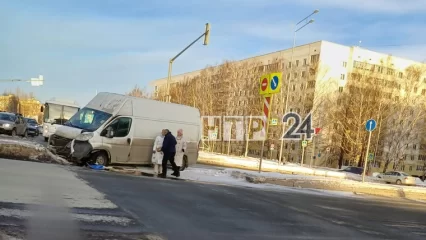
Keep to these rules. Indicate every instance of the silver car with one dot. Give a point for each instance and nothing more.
(12, 124)
(397, 178)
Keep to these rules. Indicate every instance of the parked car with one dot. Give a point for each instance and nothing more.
(354, 170)
(12, 124)
(32, 127)
(397, 178)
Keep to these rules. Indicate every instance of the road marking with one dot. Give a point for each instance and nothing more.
(23, 214)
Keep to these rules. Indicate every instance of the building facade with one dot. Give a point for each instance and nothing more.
(312, 74)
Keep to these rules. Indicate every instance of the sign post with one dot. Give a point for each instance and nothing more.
(304, 144)
(269, 85)
(369, 126)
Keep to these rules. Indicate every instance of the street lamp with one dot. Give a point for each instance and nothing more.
(35, 82)
(206, 36)
(295, 30)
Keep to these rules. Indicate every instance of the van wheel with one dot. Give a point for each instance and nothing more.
(13, 133)
(184, 163)
(46, 138)
(100, 158)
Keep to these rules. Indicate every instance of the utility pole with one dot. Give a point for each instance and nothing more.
(291, 68)
(206, 36)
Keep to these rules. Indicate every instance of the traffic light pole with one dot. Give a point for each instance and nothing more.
(206, 34)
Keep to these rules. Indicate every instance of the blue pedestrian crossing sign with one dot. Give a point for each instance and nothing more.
(370, 125)
(275, 80)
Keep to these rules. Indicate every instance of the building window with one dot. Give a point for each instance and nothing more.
(289, 64)
(315, 58)
(400, 74)
(345, 64)
(311, 84)
(288, 76)
(295, 75)
(294, 87)
(305, 62)
(297, 63)
(423, 92)
(410, 168)
(340, 89)
(342, 76)
(304, 74)
(412, 157)
(414, 146)
(415, 90)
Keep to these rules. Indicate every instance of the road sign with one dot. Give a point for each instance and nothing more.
(328, 149)
(370, 125)
(370, 156)
(213, 136)
(274, 121)
(304, 143)
(264, 85)
(275, 80)
(272, 146)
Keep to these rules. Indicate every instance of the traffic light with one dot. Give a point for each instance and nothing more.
(207, 34)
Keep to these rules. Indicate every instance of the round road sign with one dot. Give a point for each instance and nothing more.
(274, 82)
(264, 84)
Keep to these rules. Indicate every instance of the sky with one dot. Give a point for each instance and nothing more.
(81, 46)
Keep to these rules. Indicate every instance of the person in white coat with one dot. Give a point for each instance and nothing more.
(180, 148)
(157, 154)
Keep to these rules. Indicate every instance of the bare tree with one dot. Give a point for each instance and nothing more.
(405, 122)
(139, 92)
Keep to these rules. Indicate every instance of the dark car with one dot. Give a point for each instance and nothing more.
(32, 127)
(354, 170)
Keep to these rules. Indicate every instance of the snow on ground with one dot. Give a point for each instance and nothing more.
(268, 165)
(224, 177)
(22, 142)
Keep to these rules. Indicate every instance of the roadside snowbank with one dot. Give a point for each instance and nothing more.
(22, 149)
(267, 165)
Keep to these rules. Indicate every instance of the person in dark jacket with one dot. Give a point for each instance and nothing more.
(169, 152)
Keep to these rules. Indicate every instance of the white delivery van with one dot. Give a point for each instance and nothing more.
(115, 128)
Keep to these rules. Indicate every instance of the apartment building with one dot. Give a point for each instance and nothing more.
(333, 65)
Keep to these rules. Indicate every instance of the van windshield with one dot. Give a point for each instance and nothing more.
(88, 119)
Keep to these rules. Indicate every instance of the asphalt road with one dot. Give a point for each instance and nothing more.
(179, 209)
(47, 202)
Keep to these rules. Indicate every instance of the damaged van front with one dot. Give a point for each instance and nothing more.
(81, 136)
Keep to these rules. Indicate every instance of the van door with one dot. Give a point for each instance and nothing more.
(119, 145)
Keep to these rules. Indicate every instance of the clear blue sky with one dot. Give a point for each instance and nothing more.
(81, 46)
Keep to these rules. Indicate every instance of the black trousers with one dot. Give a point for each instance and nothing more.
(168, 157)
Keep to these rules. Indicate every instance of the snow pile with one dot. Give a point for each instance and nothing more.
(27, 144)
(22, 149)
(267, 165)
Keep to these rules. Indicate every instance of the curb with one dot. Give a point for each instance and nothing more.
(373, 189)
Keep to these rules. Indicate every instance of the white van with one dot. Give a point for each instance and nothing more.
(115, 128)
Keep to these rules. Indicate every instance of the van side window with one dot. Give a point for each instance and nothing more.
(121, 126)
